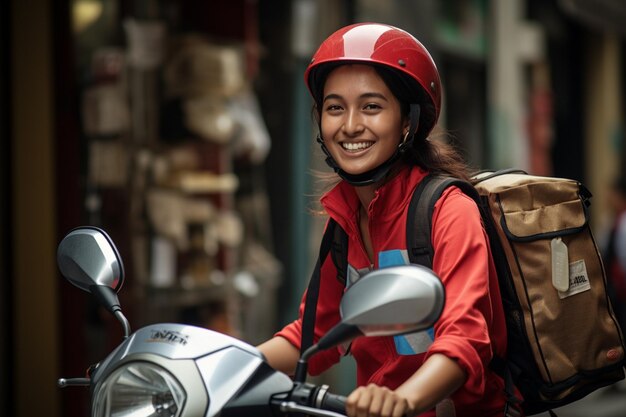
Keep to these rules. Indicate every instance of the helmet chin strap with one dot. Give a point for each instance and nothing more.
(374, 175)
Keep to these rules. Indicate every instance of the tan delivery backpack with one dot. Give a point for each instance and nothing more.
(562, 335)
(563, 338)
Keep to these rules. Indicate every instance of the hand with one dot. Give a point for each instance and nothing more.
(376, 401)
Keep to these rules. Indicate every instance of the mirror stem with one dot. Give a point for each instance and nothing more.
(341, 333)
(301, 369)
(125, 325)
(107, 298)
(302, 365)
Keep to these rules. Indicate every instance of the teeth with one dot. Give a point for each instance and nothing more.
(356, 146)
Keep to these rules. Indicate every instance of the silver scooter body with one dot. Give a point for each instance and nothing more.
(212, 367)
(207, 374)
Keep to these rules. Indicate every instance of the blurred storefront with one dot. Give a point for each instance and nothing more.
(184, 129)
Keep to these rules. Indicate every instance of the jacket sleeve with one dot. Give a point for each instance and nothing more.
(462, 259)
(327, 315)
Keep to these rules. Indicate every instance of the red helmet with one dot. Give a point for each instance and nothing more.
(383, 45)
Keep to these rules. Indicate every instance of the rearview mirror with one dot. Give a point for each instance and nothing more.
(396, 300)
(87, 257)
(385, 302)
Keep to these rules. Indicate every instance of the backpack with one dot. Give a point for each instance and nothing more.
(562, 335)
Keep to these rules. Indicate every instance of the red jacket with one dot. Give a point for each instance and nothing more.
(471, 328)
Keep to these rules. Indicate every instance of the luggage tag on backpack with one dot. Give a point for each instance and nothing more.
(560, 265)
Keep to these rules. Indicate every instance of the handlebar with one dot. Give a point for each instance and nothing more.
(73, 382)
(335, 403)
(312, 400)
(328, 401)
(290, 406)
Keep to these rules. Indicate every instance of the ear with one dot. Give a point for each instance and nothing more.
(406, 125)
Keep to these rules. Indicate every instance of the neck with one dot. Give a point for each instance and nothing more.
(366, 195)
(366, 192)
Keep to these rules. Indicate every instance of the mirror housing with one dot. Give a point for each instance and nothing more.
(87, 256)
(393, 301)
(385, 302)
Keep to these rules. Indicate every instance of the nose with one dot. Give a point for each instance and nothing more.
(353, 123)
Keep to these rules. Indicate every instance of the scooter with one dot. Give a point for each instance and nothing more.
(176, 370)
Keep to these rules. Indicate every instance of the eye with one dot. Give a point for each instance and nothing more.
(372, 106)
(333, 108)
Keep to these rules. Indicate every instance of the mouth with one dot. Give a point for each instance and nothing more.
(356, 146)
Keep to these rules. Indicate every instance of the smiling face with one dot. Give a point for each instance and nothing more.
(361, 121)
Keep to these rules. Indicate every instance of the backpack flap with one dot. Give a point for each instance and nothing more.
(572, 333)
(541, 210)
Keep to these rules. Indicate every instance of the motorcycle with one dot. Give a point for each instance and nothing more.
(177, 370)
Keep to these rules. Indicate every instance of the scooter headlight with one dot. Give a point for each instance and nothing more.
(139, 389)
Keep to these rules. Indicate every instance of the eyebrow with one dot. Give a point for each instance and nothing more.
(364, 95)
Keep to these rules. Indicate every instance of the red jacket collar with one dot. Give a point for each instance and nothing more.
(342, 204)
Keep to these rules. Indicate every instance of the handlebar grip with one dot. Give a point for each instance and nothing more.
(333, 402)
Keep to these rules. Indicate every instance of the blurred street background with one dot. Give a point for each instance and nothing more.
(184, 129)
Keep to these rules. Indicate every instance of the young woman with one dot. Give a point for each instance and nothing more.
(377, 96)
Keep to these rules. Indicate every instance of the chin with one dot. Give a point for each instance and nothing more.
(356, 172)
(353, 169)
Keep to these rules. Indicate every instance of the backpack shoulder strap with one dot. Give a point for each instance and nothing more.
(421, 208)
(333, 231)
(339, 253)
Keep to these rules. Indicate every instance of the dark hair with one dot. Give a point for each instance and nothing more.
(434, 155)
